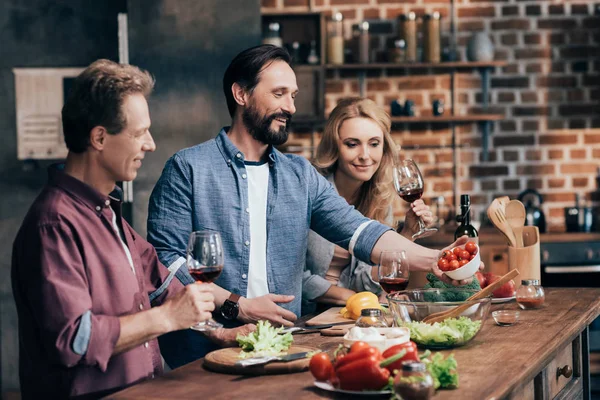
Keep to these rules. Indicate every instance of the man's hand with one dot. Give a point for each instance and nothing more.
(192, 304)
(265, 308)
(226, 337)
(442, 276)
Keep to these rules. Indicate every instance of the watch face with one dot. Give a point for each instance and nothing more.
(229, 310)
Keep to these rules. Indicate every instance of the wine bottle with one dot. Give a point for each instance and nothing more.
(465, 227)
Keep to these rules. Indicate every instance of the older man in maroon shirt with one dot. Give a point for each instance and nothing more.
(82, 277)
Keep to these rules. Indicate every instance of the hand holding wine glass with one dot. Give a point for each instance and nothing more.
(393, 271)
(205, 262)
(409, 185)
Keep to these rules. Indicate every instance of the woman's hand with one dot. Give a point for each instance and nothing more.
(411, 221)
(461, 241)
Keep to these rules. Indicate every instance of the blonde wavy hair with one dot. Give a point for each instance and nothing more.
(377, 194)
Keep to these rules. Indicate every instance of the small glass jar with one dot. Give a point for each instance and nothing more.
(413, 382)
(530, 294)
(371, 318)
(273, 36)
(397, 54)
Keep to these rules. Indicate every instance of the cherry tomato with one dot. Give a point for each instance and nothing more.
(450, 257)
(453, 265)
(472, 257)
(464, 255)
(320, 366)
(358, 346)
(463, 262)
(442, 264)
(457, 251)
(471, 247)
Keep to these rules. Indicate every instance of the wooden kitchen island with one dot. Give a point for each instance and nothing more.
(544, 356)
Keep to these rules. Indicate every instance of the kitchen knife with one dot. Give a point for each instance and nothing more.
(313, 328)
(264, 360)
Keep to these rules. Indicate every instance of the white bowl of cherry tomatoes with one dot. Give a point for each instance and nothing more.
(460, 262)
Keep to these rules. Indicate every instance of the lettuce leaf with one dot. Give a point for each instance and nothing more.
(264, 341)
(442, 370)
(446, 333)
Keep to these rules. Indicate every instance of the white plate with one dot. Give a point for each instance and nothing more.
(502, 299)
(327, 386)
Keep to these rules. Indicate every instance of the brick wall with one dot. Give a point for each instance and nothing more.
(548, 91)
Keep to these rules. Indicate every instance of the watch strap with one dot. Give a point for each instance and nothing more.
(234, 298)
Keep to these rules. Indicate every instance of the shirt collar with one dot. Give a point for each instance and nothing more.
(84, 192)
(232, 153)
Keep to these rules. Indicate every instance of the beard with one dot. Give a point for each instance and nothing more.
(260, 127)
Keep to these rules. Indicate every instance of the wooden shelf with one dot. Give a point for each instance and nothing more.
(441, 65)
(449, 118)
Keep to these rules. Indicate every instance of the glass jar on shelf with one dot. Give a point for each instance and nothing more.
(371, 318)
(272, 35)
(407, 31)
(413, 382)
(432, 37)
(335, 39)
(397, 54)
(530, 294)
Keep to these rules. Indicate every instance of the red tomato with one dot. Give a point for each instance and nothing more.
(464, 255)
(442, 264)
(320, 366)
(450, 257)
(452, 265)
(457, 251)
(471, 247)
(358, 346)
(463, 262)
(506, 290)
(481, 279)
(472, 257)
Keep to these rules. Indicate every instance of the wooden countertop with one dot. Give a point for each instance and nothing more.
(496, 362)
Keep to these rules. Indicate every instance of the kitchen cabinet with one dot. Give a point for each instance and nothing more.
(517, 362)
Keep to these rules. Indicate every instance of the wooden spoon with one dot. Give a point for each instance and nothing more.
(456, 311)
(515, 216)
(497, 216)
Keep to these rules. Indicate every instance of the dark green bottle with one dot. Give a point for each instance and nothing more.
(464, 219)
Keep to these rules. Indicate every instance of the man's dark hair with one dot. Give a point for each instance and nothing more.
(96, 99)
(246, 67)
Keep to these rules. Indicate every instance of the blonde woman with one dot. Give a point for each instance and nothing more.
(356, 154)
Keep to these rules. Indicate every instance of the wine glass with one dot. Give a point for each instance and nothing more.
(392, 271)
(409, 185)
(205, 262)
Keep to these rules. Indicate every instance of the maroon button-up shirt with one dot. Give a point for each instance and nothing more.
(72, 281)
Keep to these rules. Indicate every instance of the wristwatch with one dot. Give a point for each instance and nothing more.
(231, 308)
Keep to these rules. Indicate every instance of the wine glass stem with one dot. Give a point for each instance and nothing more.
(421, 224)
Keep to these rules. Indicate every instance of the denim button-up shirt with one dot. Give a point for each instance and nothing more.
(204, 187)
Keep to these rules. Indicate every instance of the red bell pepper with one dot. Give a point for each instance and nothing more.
(411, 354)
(357, 355)
(363, 374)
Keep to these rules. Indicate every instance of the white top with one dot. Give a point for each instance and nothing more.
(258, 187)
(120, 235)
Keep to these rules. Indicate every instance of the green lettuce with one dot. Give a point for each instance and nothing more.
(442, 370)
(264, 341)
(449, 332)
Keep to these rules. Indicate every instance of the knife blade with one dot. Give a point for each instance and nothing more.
(264, 360)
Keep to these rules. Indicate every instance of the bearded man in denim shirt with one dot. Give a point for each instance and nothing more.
(262, 202)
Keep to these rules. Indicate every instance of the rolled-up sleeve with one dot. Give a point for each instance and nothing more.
(337, 221)
(58, 295)
(314, 286)
(170, 216)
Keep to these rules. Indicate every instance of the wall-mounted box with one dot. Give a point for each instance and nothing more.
(39, 98)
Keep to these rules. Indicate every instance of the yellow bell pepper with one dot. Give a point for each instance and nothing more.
(357, 302)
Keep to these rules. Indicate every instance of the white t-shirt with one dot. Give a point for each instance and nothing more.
(258, 188)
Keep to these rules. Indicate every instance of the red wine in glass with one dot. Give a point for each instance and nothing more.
(408, 182)
(207, 274)
(393, 284)
(411, 195)
(204, 262)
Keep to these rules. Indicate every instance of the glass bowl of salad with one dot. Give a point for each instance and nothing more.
(410, 307)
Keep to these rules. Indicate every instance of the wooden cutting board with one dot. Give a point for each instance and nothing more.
(223, 361)
(331, 316)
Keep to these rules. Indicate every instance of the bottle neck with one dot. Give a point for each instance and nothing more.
(465, 217)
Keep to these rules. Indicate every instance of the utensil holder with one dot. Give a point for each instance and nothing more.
(527, 258)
